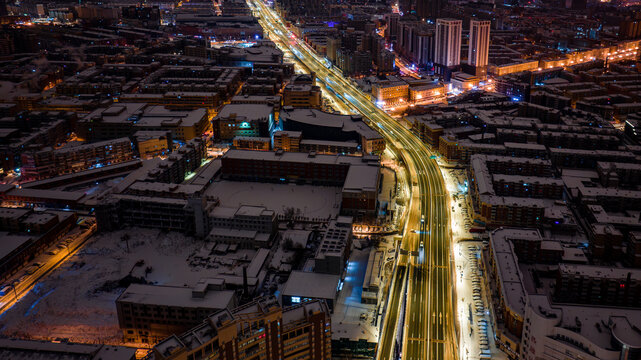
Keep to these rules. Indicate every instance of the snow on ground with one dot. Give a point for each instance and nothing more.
(313, 201)
(73, 301)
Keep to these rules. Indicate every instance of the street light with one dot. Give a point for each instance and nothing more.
(15, 292)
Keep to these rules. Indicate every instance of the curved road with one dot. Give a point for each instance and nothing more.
(429, 331)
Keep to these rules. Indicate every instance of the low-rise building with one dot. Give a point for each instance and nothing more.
(252, 143)
(319, 125)
(433, 93)
(124, 119)
(150, 313)
(334, 249)
(233, 120)
(358, 176)
(151, 144)
(287, 140)
(390, 92)
(246, 226)
(302, 96)
(17, 349)
(303, 286)
(74, 157)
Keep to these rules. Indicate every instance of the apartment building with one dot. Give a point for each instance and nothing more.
(233, 120)
(511, 191)
(575, 311)
(252, 143)
(261, 329)
(282, 166)
(176, 100)
(334, 249)
(124, 119)
(390, 92)
(153, 196)
(248, 226)
(271, 100)
(151, 144)
(26, 233)
(302, 96)
(150, 313)
(580, 158)
(359, 176)
(598, 285)
(75, 157)
(329, 147)
(287, 140)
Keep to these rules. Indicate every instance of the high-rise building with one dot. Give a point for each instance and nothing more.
(448, 45)
(392, 26)
(479, 43)
(479, 46)
(261, 329)
(630, 28)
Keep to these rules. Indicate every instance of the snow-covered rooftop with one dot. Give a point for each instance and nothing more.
(311, 285)
(177, 296)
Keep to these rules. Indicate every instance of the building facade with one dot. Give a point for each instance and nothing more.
(448, 43)
(479, 46)
(261, 329)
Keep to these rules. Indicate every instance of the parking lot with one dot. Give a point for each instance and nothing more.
(474, 309)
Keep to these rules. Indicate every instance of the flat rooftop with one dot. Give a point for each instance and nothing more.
(10, 242)
(347, 123)
(176, 296)
(297, 157)
(311, 285)
(247, 111)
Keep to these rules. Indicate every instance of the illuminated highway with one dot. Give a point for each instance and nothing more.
(423, 268)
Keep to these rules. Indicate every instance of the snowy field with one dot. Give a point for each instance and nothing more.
(77, 300)
(313, 201)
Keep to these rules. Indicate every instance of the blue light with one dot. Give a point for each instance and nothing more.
(295, 299)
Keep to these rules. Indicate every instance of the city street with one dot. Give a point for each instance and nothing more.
(18, 285)
(425, 248)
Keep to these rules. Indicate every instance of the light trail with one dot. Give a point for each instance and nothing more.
(430, 329)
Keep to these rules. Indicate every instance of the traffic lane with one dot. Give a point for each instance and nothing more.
(361, 104)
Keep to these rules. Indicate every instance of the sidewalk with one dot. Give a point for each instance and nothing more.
(24, 282)
(475, 325)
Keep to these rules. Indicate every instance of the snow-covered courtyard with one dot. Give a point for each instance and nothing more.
(77, 300)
